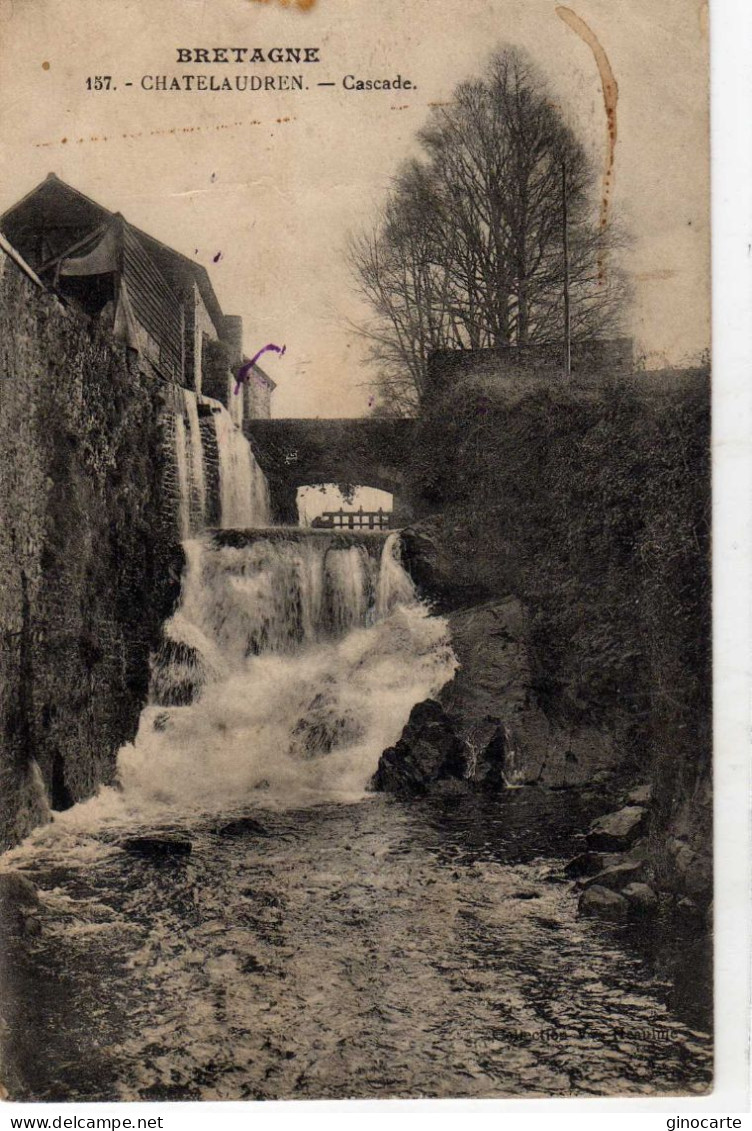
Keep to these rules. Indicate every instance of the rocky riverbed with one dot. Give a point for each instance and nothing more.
(374, 949)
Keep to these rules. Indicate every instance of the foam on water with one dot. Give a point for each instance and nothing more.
(287, 669)
(243, 488)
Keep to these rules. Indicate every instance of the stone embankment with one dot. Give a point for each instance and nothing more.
(89, 559)
(619, 875)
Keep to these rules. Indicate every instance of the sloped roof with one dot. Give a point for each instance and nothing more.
(59, 205)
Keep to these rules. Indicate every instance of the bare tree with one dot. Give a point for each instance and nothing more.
(469, 249)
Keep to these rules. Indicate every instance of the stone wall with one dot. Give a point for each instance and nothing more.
(211, 471)
(593, 362)
(89, 565)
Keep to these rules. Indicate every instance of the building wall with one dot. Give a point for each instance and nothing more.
(155, 306)
(232, 339)
(216, 379)
(89, 566)
(257, 397)
(201, 327)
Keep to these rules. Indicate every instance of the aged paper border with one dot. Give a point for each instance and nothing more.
(731, 50)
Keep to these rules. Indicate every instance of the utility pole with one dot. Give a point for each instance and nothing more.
(567, 310)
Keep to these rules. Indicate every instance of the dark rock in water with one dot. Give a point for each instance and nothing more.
(549, 924)
(17, 891)
(641, 898)
(617, 830)
(158, 845)
(251, 965)
(262, 898)
(428, 752)
(588, 864)
(689, 913)
(601, 903)
(493, 763)
(323, 727)
(178, 674)
(31, 926)
(18, 903)
(243, 826)
(526, 895)
(618, 876)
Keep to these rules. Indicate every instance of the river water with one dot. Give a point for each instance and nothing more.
(318, 941)
(355, 949)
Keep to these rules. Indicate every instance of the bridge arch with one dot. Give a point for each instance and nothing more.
(361, 452)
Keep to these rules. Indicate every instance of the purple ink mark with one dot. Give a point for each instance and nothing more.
(245, 370)
(371, 401)
(217, 257)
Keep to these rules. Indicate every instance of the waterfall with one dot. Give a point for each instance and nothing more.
(184, 489)
(347, 587)
(292, 661)
(195, 462)
(243, 488)
(394, 585)
(274, 593)
(237, 479)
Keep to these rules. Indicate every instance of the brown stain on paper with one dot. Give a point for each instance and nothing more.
(610, 100)
(301, 5)
(162, 133)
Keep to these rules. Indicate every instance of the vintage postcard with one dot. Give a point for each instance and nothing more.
(355, 590)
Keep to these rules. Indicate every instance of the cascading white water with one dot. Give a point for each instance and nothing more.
(307, 656)
(349, 587)
(394, 584)
(184, 488)
(243, 489)
(243, 501)
(261, 500)
(277, 593)
(291, 663)
(197, 479)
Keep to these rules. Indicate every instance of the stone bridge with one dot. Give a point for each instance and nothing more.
(363, 452)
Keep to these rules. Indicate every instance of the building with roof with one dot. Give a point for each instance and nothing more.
(154, 298)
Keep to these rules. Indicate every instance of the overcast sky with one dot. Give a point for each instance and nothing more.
(276, 199)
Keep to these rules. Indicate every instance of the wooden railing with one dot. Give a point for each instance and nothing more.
(353, 520)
